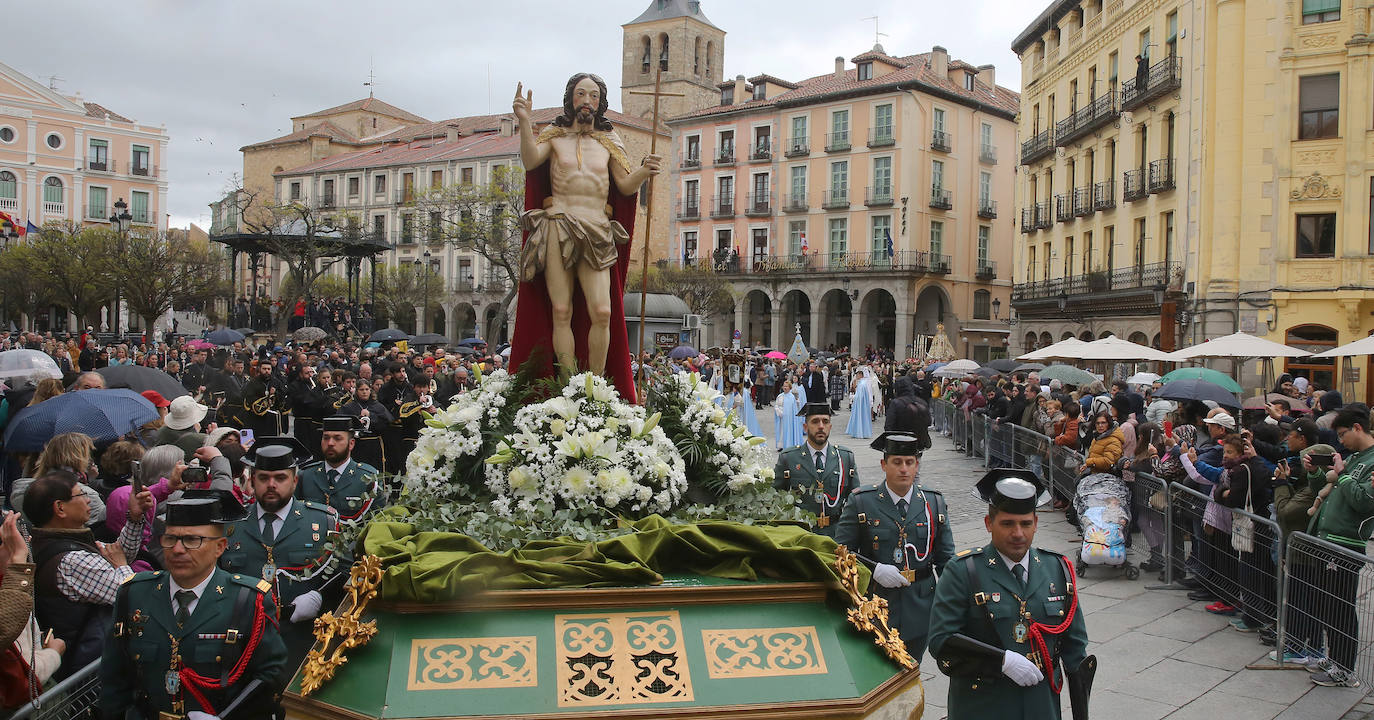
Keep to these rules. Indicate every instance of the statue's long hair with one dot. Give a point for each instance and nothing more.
(569, 115)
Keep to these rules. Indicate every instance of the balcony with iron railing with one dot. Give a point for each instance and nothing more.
(797, 147)
(1037, 147)
(1135, 279)
(795, 202)
(100, 165)
(940, 198)
(939, 140)
(874, 261)
(987, 208)
(1162, 175)
(144, 170)
(1104, 195)
(758, 204)
(691, 161)
(987, 270)
(835, 199)
(1063, 208)
(1083, 201)
(690, 209)
(1043, 220)
(881, 137)
(723, 206)
(988, 154)
(837, 141)
(761, 151)
(725, 157)
(142, 216)
(99, 213)
(1101, 111)
(1162, 78)
(1027, 219)
(1133, 185)
(877, 196)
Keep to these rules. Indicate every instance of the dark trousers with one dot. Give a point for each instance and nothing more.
(1335, 588)
(1258, 586)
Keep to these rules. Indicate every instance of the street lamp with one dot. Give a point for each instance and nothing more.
(422, 266)
(120, 222)
(996, 308)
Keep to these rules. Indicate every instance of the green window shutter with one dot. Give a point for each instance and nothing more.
(1310, 7)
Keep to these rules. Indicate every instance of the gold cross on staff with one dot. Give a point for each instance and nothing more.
(658, 93)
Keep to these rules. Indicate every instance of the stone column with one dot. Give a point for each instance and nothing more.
(856, 325)
(740, 324)
(778, 337)
(813, 336)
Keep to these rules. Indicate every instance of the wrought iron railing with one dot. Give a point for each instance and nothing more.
(1135, 277)
(1162, 175)
(1162, 78)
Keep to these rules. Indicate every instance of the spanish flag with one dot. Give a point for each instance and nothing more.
(8, 223)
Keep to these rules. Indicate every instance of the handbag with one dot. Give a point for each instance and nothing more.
(1243, 526)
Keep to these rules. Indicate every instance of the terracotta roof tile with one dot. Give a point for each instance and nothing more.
(771, 79)
(101, 112)
(370, 104)
(481, 145)
(327, 129)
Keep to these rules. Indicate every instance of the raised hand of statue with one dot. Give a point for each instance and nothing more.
(522, 104)
(653, 163)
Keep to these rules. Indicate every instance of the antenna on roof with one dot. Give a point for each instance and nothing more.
(53, 80)
(371, 78)
(877, 36)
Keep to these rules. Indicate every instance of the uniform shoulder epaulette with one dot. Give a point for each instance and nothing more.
(313, 465)
(367, 469)
(969, 551)
(254, 582)
(929, 491)
(1047, 551)
(142, 576)
(869, 488)
(320, 507)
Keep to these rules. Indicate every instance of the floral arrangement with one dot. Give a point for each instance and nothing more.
(722, 453)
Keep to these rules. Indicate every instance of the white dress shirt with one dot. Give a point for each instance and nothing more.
(175, 588)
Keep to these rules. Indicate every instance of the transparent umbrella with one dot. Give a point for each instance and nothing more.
(25, 363)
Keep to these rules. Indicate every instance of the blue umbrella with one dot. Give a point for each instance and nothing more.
(104, 415)
(224, 336)
(935, 366)
(683, 351)
(472, 342)
(1195, 389)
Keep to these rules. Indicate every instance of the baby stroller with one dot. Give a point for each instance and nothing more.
(1103, 503)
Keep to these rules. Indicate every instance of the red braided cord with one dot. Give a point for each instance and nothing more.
(1038, 630)
(193, 681)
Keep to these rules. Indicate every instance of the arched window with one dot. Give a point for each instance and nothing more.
(710, 53)
(663, 52)
(1086, 336)
(9, 185)
(647, 56)
(52, 190)
(1030, 341)
(1067, 336)
(1047, 339)
(1139, 338)
(696, 57)
(1321, 372)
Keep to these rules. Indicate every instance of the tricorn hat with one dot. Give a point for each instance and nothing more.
(339, 423)
(204, 507)
(1011, 490)
(814, 408)
(896, 442)
(280, 452)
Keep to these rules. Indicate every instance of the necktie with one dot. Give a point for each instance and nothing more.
(269, 534)
(820, 461)
(1020, 572)
(901, 507)
(333, 476)
(184, 600)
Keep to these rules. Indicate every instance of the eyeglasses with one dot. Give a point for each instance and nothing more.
(190, 542)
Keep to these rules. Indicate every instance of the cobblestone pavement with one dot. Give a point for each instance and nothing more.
(1160, 655)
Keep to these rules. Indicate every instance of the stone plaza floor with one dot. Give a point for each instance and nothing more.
(1160, 654)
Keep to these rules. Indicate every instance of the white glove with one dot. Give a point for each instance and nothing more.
(889, 576)
(198, 715)
(307, 606)
(1023, 672)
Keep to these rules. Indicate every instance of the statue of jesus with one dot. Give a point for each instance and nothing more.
(579, 200)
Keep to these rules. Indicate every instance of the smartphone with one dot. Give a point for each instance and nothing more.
(1321, 460)
(136, 480)
(246, 437)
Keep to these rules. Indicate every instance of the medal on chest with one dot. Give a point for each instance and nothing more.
(269, 569)
(1022, 627)
(172, 680)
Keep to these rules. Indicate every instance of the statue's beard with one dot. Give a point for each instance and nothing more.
(585, 116)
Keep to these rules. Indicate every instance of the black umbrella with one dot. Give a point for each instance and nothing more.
(388, 334)
(682, 351)
(429, 339)
(1002, 365)
(139, 378)
(465, 350)
(224, 336)
(246, 331)
(1194, 389)
(472, 341)
(102, 415)
(985, 372)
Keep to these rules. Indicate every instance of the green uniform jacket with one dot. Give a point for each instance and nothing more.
(138, 653)
(353, 495)
(796, 470)
(1049, 595)
(873, 527)
(1344, 510)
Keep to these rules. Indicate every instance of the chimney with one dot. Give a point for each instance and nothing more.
(939, 61)
(988, 75)
(741, 90)
(839, 67)
(694, 7)
(507, 126)
(451, 133)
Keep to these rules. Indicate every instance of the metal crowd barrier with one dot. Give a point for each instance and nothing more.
(1247, 581)
(75, 698)
(1326, 591)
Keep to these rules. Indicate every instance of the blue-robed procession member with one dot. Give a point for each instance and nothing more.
(194, 641)
(823, 475)
(339, 481)
(284, 541)
(1006, 626)
(901, 530)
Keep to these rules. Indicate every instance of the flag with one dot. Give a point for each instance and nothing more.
(888, 235)
(31, 228)
(8, 223)
(803, 239)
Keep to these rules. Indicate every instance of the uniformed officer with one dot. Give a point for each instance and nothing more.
(823, 475)
(178, 633)
(350, 487)
(282, 540)
(901, 529)
(1006, 616)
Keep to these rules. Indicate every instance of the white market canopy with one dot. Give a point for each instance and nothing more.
(1062, 350)
(1240, 345)
(1363, 346)
(1114, 348)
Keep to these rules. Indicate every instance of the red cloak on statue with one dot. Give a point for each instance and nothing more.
(534, 318)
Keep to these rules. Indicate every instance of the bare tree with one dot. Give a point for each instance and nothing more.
(157, 272)
(484, 219)
(401, 289)
(705, 292)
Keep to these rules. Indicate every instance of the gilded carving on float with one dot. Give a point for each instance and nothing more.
(869, 614)
(345, 627)
(621, 659)
(762, 652)
(473, 663)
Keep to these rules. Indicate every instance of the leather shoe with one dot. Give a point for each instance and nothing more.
(1201, 595)
(1190, 583)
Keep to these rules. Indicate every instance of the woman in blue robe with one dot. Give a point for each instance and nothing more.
(737, 400)
(861, 409)
(787, 428)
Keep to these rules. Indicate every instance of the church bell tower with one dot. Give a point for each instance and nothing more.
(672, 36)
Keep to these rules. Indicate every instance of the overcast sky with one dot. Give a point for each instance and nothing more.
(221, 75)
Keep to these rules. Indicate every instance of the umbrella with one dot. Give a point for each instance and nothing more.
(985, 372)
(1067, 374)
(139, 378)
(946, 372)
(388, 334)
(199, 344)
(1002, 365)
(472, 341)
(1260, 403)
(1363, 346)
(224, 336)
(1114, 348)
(464, 350)
(1029, 367)
(1238, 345)
(24, 363)
(1194, 389)
(247, 331)
(963, 366)
(1062, 350)
(1142, 378)
(935, 366)
(775, 355)
(309, 334)
(429, 339)
(683, 351)
(1215, 377)
(103, 415)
